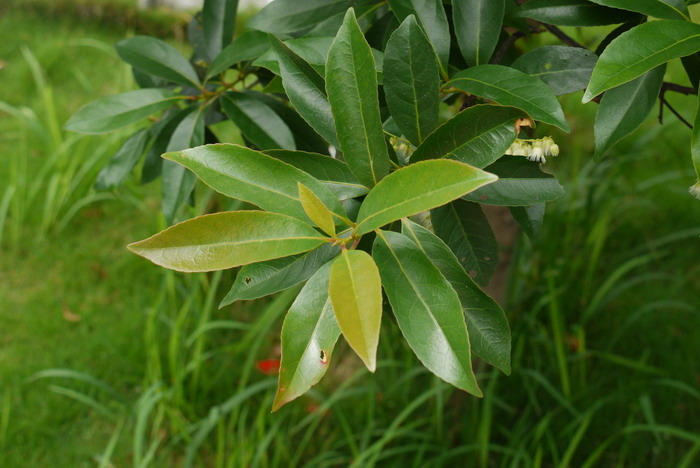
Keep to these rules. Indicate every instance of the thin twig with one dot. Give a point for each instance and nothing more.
(687, 90)
(505, 47)
(562, 36)
(675, 112)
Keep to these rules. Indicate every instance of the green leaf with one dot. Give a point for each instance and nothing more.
(695, 151)
(624, 108)
(427, 309)
(260, 124)
(412, 81)
(529, 218)
(306, 90)
(416, 188)
(114, 112)
(477, 27)
(157, 58)
(511, 87)
(161, 133)
(316, 210)
(640, 49)
(565, 69)
(465, 229)
(218, 23)
(664, 9)
(121, 164)
(287, 16)
(351, 84)
(309, 333)
(573, 13)
(248, 46)
(244, 174)
(178, 182)
(264, 278)
(432, 18)
(478, 136)
(488, 328)
(520, 183)
(356, 295)
(313, 50)
(333, 173)
(226, 240)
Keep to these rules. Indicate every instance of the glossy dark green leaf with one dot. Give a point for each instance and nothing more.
(477, 136)
(412, 81)
(255, 177)
(264, 278)
(511, 87)
(332, 172)
(664, 9)
(157, 58)
(114, 112)
(465, 229)
(640, 49)
(226, 240)
(426, 308)
(218, 22)
(160, 132)
(565, 69)
(356, 296)
(573, 13)
(488, 328)
(178, 182)
(248, 46)
(122, 163)
(691, 64)
(257, 122)
(351, 84)
(417, 188)
(313, 50)
(529, 218)
(431, 16)
(287, 16)
(520, 183)
(477, 27)
(306, 90)
(624, 108)
(309, 334)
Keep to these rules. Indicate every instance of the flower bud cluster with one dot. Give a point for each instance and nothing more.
(695, 189)
(534, 150)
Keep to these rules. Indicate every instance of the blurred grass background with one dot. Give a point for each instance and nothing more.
(107, 360)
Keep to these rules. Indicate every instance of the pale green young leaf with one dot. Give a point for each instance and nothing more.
(248, 175)
(477, 27)
(157, 58)
(356, 296)
(426, 308)
(624, 108)
(228, 239)
(511, 87)
(309, 333)
(412, 81)
(351, 84)
(487, 324)
(114, 112)
(416, 188)
(477, 136)
(465, 229)
(316, 210)
(640, 49)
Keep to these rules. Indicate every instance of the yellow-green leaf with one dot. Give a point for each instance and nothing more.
(226, 240)
(416, 188)
(356, 295)
(316, 210)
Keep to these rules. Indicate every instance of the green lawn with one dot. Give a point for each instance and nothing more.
(604, 308)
